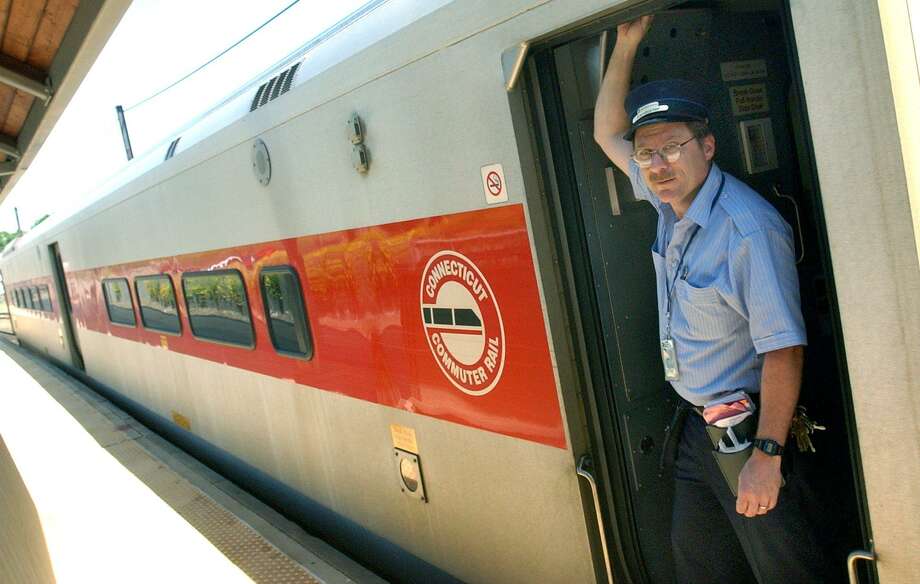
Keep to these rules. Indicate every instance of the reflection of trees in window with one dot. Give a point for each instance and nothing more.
(285, 312)
(275, 296)
(217, 306)
(158, 303)
(222, 292)
(157, 292)
(118, 301)
(118, 293)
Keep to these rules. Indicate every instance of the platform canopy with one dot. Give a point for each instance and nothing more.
(46, 49)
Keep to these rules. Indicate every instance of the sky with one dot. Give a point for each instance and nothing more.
(156, 43)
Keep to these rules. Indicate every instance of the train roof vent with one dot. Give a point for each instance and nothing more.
(172, 149)
(273, 88)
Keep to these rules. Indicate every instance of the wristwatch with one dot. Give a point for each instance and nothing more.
(768, 447)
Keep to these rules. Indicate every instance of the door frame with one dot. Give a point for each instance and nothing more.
(60, 282)
(569, 254)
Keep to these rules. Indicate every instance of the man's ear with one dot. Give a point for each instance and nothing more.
(709, 147)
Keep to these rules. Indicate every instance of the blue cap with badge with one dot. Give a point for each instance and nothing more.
(667, 100)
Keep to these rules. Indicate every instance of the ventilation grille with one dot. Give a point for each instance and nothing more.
(172, 148)
(274, 88)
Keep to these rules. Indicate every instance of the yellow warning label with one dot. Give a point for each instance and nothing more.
(404, 438)
(164, 342)
(181, 420)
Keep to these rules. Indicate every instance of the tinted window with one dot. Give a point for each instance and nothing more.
(285, 313)
(44, 297)
(157, 299)
(118, 301)
(217, 307)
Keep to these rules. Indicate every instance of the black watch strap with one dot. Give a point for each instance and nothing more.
(767, 446)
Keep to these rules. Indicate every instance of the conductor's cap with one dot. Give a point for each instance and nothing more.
(668, 100)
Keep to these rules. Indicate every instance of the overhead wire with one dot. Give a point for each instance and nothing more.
(221, 54)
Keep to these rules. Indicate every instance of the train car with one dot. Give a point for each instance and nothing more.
(396, 290)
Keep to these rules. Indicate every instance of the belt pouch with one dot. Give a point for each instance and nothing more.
(731, 463)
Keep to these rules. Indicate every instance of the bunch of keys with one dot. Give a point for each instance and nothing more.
(802, 428)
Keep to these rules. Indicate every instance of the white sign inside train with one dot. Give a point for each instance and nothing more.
(741, 70)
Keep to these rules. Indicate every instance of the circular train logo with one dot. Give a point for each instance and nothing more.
(462, 323)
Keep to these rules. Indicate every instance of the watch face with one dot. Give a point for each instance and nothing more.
(770, 447)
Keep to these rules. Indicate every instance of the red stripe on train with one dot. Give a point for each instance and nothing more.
(362, 288)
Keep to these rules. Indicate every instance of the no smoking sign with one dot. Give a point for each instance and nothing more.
(493, 183)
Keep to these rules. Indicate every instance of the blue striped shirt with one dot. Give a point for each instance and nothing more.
(737, 295)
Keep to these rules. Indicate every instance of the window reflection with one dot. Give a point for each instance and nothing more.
(285, 312)
(118, 301)
(157, 299)
(217, 307)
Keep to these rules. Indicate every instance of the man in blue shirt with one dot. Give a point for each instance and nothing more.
(729, 319)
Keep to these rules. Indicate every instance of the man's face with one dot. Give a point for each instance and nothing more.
(675, 183)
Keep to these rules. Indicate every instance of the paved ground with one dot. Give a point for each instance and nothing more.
(87, 494)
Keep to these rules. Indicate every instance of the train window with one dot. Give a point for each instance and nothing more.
(118, 301)
(34, 302)
(217, 307)
(285, 312)
(17, 299)
(44, 297)
(157, 299)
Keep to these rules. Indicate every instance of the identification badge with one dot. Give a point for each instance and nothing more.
(669, 359)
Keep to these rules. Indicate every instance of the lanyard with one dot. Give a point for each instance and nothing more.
(669, 289)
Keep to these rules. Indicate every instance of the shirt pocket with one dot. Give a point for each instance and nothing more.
(707, 315)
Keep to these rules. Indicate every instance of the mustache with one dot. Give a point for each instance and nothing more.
(662, 176)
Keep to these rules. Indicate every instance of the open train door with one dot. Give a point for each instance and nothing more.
(744, 53)
(66, 307)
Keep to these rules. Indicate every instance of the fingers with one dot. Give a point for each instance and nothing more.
(635, 29)
(751, 505)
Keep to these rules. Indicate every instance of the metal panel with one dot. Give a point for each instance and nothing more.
(873, 243)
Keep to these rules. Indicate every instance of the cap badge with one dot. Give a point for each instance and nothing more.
(649, 108)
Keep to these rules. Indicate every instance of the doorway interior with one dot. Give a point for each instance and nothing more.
(743, 52)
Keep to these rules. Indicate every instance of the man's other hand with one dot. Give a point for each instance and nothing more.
(759, 484)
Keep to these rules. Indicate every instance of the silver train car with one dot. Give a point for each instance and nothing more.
(396, 290)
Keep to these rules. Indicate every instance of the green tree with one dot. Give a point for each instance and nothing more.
(6, 237)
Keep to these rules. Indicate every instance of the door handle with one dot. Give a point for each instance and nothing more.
(854, 557)
(585, 464)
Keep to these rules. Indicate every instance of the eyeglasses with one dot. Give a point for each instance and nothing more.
(669, 152)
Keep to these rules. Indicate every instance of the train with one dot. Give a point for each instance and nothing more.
(394, 289)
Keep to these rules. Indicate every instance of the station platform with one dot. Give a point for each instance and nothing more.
(88, 494)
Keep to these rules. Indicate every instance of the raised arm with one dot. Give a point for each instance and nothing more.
(610, 120)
